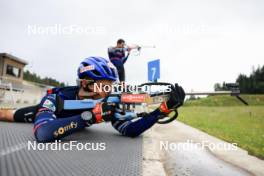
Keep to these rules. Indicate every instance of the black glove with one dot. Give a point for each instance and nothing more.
(103, 112)
(176, 99)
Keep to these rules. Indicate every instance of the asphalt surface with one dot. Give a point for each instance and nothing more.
(185, 155)
(200, 162)
(122, 155)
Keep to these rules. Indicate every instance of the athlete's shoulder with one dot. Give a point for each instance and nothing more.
(115, 49)
(68, 91)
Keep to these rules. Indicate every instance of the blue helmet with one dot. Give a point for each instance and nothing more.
(97, 68)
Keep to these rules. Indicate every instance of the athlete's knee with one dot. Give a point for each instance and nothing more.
(7, 115)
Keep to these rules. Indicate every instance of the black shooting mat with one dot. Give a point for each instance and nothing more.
(122, 155)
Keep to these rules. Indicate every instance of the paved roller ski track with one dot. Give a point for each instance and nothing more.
(122, 155)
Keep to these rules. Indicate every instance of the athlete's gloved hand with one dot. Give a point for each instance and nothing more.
(103, 112)
(176, 99)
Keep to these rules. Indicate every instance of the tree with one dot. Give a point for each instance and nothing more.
(33, 77)
(254, 83)
(217, 87)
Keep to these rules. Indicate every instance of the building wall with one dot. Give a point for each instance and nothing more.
(31, 95)
(1, 66)
(16, 64)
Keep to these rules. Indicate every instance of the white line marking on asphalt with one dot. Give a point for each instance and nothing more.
(13, 149)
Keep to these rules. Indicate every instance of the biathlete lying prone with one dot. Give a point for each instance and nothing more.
(51, 124)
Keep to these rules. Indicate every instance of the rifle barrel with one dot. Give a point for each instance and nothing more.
(148, 46)
(210, 93)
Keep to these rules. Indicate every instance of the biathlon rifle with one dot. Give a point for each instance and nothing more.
(128, 101)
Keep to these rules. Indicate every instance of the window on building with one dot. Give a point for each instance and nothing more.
(13, 71)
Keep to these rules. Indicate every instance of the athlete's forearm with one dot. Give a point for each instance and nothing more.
(125, 59)
(135, 128)
(47, 128)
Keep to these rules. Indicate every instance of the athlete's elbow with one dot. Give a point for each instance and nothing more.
(43, 134)
(132, 134)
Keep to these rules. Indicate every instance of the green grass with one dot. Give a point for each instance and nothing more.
(243, 125)
(226, 100)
